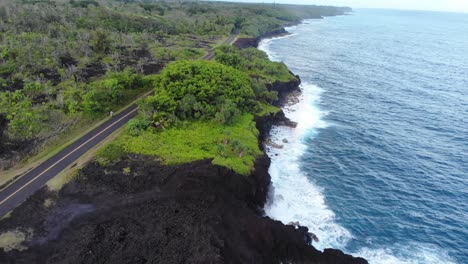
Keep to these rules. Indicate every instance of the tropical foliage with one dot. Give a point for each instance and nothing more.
(204, 110)
(231, 145)
(69, 62)
(202, 90)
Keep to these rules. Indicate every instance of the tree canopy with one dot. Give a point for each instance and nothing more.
(205, 90)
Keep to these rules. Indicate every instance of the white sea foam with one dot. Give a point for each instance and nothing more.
(414, 254)
(265, 44)
(294, 197)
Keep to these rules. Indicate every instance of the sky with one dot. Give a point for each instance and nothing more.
(435, 5)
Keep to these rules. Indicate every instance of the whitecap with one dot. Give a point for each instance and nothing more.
(411, 254)
(294, 197)
(264, 45)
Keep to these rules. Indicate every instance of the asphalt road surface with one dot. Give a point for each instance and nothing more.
(26, 185)
(17, 192)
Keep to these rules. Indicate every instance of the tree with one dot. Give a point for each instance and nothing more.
(185, 106)
(228, 55)
(24, 122)
(201, 90)
(136, 126)
(100, 41)
(95, 101)
(227, 112)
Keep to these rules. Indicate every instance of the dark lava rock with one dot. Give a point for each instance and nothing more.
(191, 213)
(243, 43)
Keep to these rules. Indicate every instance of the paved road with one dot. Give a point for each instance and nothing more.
(26, 185)
(229, 41)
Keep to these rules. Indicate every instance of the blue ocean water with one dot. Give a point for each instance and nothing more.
(378, 165)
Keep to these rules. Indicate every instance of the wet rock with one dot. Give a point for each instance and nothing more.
(272, 144)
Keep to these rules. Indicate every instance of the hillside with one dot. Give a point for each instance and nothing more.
(60, 59)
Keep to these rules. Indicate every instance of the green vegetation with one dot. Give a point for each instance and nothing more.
(199, 111)
(266, 109)
(23, 119)
(69, 62)
(204, 110)
(233, 145)
(100, 96)
(263, 73)
(197, 90)
(255, 63)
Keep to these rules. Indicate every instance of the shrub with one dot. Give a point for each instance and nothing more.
(232, 145)
(110, 153)
(200, 90)
(136, 126)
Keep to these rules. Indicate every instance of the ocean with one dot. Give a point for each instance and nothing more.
(378, 164)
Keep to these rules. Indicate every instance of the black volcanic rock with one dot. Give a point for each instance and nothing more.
(191, 213)
(243, 43)
(284, 89)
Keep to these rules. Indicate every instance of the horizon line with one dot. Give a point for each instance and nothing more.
(315, 4)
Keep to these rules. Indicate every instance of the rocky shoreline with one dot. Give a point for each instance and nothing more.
(191, 213)
(141, 211)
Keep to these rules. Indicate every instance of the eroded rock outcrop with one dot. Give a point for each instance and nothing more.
(243, 43)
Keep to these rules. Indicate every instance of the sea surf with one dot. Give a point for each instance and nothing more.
(354, 171)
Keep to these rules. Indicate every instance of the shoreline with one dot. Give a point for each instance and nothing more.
(224, 217)
(326, 159)
(285, 152)
(286, 102)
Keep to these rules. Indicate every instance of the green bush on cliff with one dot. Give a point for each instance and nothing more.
(204, 110)
(254, 62)
(198, 90)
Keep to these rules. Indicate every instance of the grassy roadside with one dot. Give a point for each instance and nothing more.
(58, 145)
(233, 145)
(70, 171)
(66, 139)
(14, 239)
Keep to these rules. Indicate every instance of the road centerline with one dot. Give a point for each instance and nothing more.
(66, 156)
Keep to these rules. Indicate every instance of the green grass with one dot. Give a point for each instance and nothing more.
(83, 126)
(270, 71)
(234, 146)
(267, 109)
